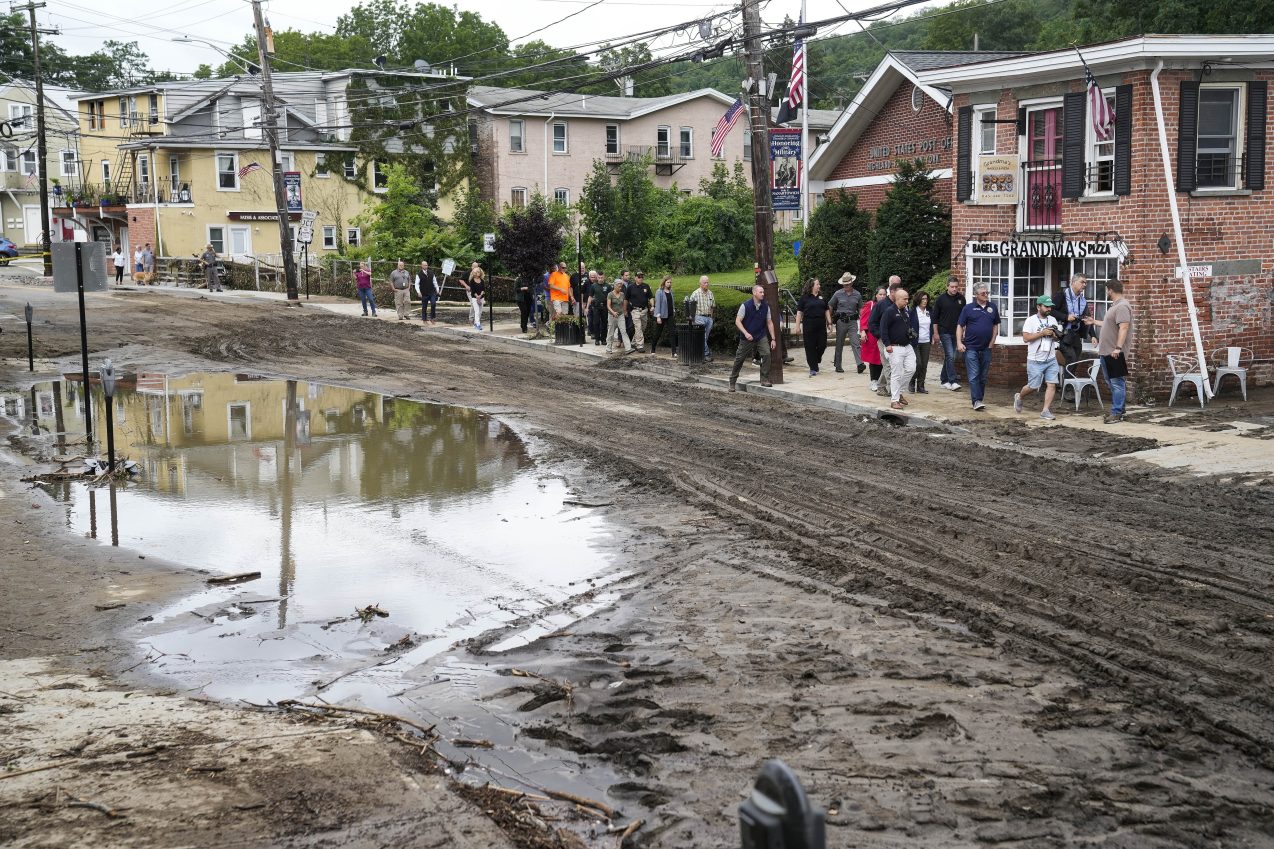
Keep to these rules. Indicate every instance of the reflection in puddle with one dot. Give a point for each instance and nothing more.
(340, 499)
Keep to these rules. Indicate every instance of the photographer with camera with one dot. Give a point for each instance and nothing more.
(1042, 334)
(845, 305)
(1071, 345)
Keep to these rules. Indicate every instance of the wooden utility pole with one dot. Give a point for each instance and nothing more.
(42, 152)
(763, 217)
(270, 120)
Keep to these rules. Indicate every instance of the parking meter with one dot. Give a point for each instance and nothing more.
(778, 815)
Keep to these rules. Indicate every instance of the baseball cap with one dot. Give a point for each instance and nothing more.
(1043, 301)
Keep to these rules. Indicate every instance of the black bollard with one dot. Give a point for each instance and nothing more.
(30, 348)
(778, 815)
(108, 389)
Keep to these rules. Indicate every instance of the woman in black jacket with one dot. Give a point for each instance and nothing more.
(525, 297)
(814, 321)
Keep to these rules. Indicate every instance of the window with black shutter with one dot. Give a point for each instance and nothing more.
(1123, 140)
(964, 144)
(1187, 136)
(1254, 155)
(1073, 139)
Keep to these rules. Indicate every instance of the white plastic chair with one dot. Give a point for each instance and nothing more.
(1071, 380)
(1185, 369)
(1231, 361)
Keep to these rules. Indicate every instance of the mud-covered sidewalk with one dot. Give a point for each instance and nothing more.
(989, 636)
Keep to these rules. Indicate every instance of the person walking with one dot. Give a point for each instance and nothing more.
(665, 317)
(211, 273)
(705, 303)
(877, 310)
(922, 327)
(427, 289)
(559, 285)
(616, 310)
(844, 306)
(976, 332)
(1113, 342)
(867, 339)
(400, 282)
(1041, 333)
(946, 315)
(895, 335)
(1074, 328)
(756, 336)
(476, 289)
(363, 285)
(120, 261)
(597, 293)
(524, 294)
(814, 321)
(639, 297)
(579, 282)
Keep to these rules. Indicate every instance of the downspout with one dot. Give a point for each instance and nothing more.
(1191, 310)
(545, 188)
(159, 232)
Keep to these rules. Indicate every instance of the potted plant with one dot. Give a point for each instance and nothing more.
(566, 329)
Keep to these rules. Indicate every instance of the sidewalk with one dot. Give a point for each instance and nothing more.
(1231, 438)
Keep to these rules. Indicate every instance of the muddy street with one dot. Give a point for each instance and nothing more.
(958, 637)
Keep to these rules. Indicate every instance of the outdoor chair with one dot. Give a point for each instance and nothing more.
(1232, 360)
(1071, 380)
(1185, 369)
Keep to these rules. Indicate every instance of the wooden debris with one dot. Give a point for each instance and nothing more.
(110, 813)
(562, 795)
(291, 704)
(372, 610)
(242, 577)
(115, 606)
(465, 743)
(628, 832)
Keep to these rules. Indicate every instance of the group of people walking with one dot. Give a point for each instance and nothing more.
(428, 286)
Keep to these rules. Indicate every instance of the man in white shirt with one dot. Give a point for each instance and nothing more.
(1041, 332)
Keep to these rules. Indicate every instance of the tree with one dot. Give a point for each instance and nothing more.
(528, 239)
(720, 185)
(203, 72)
(913, 229)
(701, 234)
(619, 216)
(299, 51)
(539, 63)
(398, 226)
(837, 241)
(438, 34)
(474, 217)
(652, 82)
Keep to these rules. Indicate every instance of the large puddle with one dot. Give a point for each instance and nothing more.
(341, 499)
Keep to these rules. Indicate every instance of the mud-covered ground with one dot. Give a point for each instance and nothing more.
(957, 640)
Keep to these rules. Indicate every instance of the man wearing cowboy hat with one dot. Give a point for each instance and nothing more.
(844, 306)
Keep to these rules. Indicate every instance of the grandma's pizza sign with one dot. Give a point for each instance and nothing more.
(1040, 249)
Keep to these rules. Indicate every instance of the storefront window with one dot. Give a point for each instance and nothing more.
(1099, 272)
(1014, 285)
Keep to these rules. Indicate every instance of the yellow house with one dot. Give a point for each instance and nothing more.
(184, 164)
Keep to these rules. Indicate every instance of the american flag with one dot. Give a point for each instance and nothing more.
(1103, 116)
(795, 86)
(249, 168)
(727, 122)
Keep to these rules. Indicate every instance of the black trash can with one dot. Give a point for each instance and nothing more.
(690, 344)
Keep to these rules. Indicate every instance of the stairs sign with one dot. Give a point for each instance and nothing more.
(305, 233)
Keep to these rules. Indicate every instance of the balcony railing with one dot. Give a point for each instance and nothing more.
(167, 190)
(1042, 197)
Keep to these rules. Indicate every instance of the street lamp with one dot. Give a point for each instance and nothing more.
(108, 387)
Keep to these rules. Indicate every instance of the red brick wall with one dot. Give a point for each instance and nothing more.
(897, 124)
(1233, 311)
(141, 229)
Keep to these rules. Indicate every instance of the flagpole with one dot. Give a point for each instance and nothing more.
(805, 129)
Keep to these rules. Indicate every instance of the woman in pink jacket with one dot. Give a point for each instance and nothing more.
(868, 346)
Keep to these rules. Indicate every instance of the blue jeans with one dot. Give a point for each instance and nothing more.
(1118, 390)
(978, 365)
(705, 321)
(431, 305)
(948, 358)
(366, 299)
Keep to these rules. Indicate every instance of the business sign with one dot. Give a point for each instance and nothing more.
(1038, 249)
(998, 178)
(1195, 271)
(305, 233)
(292, 190)
(785, 168)
(261, 216)
(488, 242)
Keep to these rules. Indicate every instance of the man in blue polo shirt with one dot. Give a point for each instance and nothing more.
(976, 332)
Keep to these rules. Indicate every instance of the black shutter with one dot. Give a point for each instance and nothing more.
(1123, 140)
(1188, 136)
(964, 153)
(1073, 144)
(1021, 120)
(1254, 161)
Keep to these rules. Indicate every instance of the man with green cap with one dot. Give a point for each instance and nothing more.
(1041, 333)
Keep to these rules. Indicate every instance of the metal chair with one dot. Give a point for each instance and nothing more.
(1232, 363)
(1071, 380)
(1185, 369)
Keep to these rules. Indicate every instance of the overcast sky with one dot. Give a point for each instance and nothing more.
(154, 23)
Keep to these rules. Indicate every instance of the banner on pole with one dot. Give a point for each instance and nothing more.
(785, 168)
(292, 190)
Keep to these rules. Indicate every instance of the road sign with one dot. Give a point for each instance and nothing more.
(93, 259)
(488, 242)
(305, 232)
(448, 266)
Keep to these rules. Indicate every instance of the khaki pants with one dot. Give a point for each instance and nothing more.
(615, 326)
(639, 327)
(402, 302)
(885, 369)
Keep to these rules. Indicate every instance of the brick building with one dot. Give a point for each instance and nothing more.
(894, 116)
(1038, 196)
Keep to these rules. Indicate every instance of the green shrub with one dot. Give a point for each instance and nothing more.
(837, 242)
(937, 284)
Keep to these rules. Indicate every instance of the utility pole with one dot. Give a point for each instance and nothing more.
(270, 119)
(763, 218)
(42, 153)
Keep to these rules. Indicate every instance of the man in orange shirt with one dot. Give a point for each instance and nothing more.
(560, 290)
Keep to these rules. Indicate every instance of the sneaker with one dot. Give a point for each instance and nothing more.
(922, 391)
(766, 383)
(862, 367)
(954, 387)
(707, 358)
(813, 372)
(873, 386)
(1113, 419)
(979, 406)
(1047, 415)
(610, 350)
(1017, 402)
(479, 326)
(733, 388)
(840, 370)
